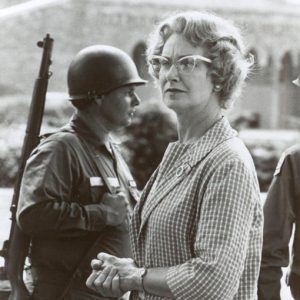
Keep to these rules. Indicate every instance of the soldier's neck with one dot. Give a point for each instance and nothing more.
(96, 125)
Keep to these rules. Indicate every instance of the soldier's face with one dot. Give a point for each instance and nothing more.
(118, 107)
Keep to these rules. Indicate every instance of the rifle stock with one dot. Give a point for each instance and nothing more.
(15, 250)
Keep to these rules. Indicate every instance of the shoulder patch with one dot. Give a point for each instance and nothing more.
(279, 164)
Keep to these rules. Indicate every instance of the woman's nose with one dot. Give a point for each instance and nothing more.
(172, 74)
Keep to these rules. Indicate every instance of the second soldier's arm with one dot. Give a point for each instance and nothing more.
(279, 215)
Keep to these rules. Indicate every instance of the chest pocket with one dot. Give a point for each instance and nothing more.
(90, 191)
(97, 188)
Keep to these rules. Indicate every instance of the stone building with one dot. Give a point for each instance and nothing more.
(271, 27)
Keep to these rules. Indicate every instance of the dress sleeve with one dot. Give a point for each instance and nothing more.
(46, 207)
(230, 212)
(279, 218)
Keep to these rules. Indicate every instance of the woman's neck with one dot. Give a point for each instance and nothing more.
(193, 125)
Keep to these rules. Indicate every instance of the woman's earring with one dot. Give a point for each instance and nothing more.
(217, 88)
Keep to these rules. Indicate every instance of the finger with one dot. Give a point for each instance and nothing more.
(107, 259)
(102, 277)
(90, 281)
(107, 284)
(102, 256)
(96, 264)
(121, 194)
(115, 285)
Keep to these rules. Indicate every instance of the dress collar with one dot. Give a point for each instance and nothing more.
(215, 135)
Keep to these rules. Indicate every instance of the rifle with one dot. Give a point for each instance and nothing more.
(15, 249)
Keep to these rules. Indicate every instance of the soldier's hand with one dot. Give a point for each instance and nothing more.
(116, 208)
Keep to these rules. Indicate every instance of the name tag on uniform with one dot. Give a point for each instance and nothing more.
(96, 181)
(113, 181)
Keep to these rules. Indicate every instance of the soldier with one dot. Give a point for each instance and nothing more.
(282, 213)
(77, 192)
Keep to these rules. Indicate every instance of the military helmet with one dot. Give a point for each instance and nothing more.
(99, 69)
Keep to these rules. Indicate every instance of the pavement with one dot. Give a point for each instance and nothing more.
(5, 201)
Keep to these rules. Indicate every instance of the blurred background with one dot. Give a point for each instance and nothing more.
(267, 115)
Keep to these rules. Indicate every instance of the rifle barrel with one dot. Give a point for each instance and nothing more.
(16, 248)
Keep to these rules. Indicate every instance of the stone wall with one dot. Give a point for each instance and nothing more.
(75, 24)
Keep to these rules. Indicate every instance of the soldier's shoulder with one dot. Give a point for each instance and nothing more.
(61, 134)
(57, 141)
(293, 150)
(292, 153)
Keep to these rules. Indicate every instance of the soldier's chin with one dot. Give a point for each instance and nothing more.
(128, 122)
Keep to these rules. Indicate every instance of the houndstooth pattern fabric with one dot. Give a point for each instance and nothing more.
(200, 215)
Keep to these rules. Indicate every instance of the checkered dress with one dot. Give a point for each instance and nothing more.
(200, 214)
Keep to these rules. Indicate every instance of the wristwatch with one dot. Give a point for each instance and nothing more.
(141, 272)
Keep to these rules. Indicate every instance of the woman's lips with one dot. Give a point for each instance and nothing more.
(172, 90)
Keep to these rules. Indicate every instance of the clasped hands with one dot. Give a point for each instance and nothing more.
(113, 276)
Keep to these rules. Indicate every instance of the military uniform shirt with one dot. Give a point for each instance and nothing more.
(61, 190)
(282, 212)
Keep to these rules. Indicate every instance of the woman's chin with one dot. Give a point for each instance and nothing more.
(174, 104)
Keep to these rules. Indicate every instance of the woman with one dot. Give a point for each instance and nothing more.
(197, 231)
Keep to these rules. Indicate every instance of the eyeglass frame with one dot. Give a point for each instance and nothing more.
(200, 57)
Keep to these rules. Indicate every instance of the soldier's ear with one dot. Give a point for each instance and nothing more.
(99, 99)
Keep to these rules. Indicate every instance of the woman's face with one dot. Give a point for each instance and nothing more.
(185, 91)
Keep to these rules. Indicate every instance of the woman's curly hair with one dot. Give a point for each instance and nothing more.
(222, 42)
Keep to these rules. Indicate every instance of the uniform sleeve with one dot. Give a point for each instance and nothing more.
(226, 220)
(46, 206)
(279, 218)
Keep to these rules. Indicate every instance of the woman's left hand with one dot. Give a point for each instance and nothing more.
(106, 282)
(112, 276)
